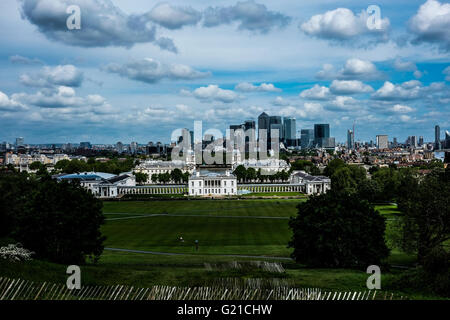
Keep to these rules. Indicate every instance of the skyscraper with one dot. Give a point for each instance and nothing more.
(322, 136)
(437, 137)
(447, 140)
(19, 142)
(306, 138)
(119, 147)
(289, 128)
(382, 141)
(263, 121)
(421, 141)
(350, 140)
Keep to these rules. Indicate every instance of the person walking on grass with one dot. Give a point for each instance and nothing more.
(196, 245)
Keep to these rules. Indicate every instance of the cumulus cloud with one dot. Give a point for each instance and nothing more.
(103, 24)
(151, 71)
(174, 17)
(349, 87)
(10, 104)
(316, 93)
(213, 93)
(279, 101)
(65, 100)
(446, 72)
(353, 68)
(17, 59)
(431, 24)
(399, 108)
(342, 103)
(251, 16)
(307, 111)
(62, 75)
(406, 91)
(264, 87)
(401, 65)
(343, 25)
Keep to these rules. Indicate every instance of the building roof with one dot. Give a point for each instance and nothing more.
(212, 174)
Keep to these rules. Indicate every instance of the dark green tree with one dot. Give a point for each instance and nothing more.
(425, 204)
(333, 166)
(241, 173)
(176, 175)
(141, 177)
(338, 230)
(60, 222)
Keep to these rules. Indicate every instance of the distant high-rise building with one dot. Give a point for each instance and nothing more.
(350, 140)
(395, 143)
(322, 136)
(119, 147)
(275, 123)
(85, 145)
(249, 124)
(19, 142)
(133, 147)
(290, 131)
(437, 137)
(421, 141)
(447, 140)
(306, 138)
(382, 141)
(413, 141)
(263, 121)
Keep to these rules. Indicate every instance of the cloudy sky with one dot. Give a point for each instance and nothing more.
(137, 70)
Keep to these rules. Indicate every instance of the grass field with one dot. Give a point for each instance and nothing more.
(223, 228)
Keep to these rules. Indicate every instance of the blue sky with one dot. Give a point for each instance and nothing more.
(137, 70)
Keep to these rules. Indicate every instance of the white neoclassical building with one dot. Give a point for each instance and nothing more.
(207, 184)
(312, 184)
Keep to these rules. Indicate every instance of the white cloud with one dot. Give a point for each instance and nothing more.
(401, 65)
(405, 91)
(263, 87)
(431, 24)
(342, 24)
(446, 72)
(279, 101)
(214, 93)
(174, 17)
(62, 75)
(250, 15)
(17, 59)
(151, 71)
(349, 87)
(353, 68)
(103, 24)
(65, 100)
(316, 93)
(399, 108)
(10, 104)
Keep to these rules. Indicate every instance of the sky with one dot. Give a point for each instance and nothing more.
(137, 70)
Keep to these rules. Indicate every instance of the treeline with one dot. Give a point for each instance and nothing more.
(113, 166)
(175, 175)
(342, 228)
(59, 221)
(251, 175)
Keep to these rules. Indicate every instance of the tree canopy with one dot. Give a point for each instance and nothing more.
(338, 230)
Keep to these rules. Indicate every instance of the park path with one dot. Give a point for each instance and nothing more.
(189, 254)
(186, 215)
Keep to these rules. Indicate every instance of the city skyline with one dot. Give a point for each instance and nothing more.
(147, 76)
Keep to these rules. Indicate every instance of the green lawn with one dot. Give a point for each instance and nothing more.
(222, 227)
(269, 207)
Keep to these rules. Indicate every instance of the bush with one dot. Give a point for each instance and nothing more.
(15, 253)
